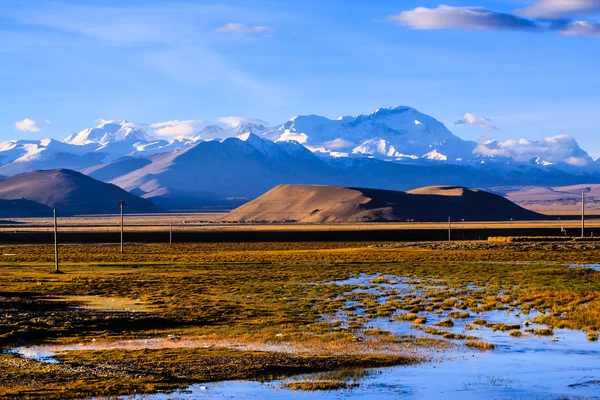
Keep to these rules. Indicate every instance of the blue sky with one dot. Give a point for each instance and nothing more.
(528, 66)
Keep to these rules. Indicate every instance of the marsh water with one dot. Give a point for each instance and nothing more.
(595, 267)
(563, 365)
(519, 368)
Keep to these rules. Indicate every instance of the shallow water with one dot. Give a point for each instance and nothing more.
(519, 368)
(35, 353)
(595, 267)
(48, 353)
(564, 365)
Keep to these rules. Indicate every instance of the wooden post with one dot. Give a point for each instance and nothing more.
(170, 233)
(122, 229)
(582, 213)
(122, 204)
(449, 229)
(56, 267)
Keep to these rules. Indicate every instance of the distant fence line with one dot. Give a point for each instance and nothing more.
(241, 233)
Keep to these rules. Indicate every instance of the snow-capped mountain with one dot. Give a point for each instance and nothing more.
(34, 150)
(17, 156)
(395, 148)
(378, 147)
(400, 134)
(208, 171)
(108, 132)
(211, 172)
(396, 133)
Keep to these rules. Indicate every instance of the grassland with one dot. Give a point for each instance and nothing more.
(255, 310)
(199, 222)
(161, 224)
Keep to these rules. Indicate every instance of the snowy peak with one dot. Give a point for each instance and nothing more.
(376, 147)
(397, 132)
(435, 156)
(211, 132)
(21, 151)
(295, 149)
(239, 125)
(231, 127)
(263, 146)
(107, 132)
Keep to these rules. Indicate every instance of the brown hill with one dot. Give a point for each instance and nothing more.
(21, 208)
(71, 193)
(314, 203)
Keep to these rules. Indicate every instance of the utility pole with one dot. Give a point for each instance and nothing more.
(170, 233)
(122, 204)
(582, 213)
(56, 268)
(449, 229)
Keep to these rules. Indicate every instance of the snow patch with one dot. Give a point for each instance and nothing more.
(435, 155)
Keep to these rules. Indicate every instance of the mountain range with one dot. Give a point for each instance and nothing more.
(192, 164)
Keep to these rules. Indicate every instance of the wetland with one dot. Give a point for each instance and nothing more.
(280, 320)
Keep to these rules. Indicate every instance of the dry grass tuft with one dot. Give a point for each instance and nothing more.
(313, 386)
(445, 323)
(476, 344)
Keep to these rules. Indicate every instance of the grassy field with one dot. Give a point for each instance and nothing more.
(256, 310)
(207, 222)
(194, 228)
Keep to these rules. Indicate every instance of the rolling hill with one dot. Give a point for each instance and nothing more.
(314, 203)
(71, 193)
(22, 208)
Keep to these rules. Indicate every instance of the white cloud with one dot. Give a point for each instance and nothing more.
(232, 122)
(479, 18)
(28, 125)
(551, 150)
(338, 144)
(178, 129)
(47, 122)
(578, 28)
(246, 30)
(468, 18)
(476, 120)
(560, 9)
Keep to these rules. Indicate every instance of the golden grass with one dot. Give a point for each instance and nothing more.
(592, 335)
(445, 323)
(530, 239)
(480, 345)
(326, 381)
(313, 386)
(190, 222)
(264, 294)
(541, 331)
(112, 372)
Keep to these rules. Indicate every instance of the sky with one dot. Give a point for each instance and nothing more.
(506, 69)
